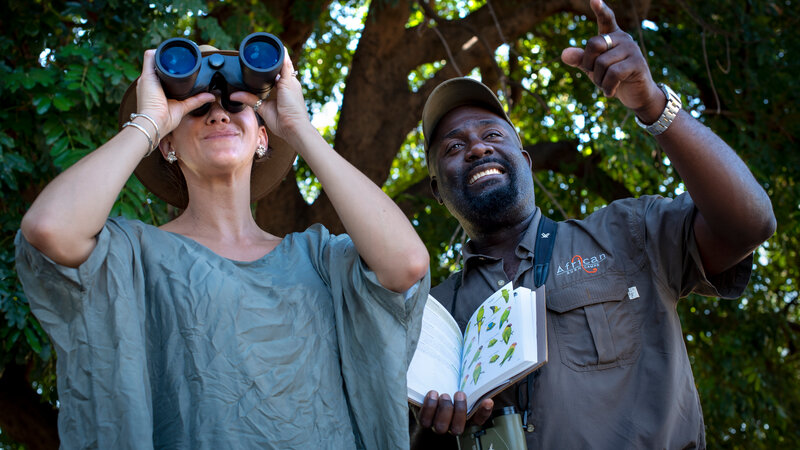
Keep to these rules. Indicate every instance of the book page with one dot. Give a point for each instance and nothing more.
(437, 359)
(500, 342)
(519, 356)
(483, 339)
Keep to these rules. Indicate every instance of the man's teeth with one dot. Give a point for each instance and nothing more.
(483, 173)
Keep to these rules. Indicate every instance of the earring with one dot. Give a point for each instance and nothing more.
(171, 157)
(261, 152)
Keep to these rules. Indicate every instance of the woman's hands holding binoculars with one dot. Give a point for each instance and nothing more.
(285, 114)
(177, 78)
(152, 101)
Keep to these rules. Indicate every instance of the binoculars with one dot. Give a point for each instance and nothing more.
(504, 433)
(184, 72)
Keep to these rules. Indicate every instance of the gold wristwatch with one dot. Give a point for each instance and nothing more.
(667, 116)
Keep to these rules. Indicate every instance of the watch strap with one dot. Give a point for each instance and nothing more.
(667, 116)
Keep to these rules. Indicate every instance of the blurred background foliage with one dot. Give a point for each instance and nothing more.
(65, 66)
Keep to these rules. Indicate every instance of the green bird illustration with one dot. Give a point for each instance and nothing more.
(504, 317)
(492, 342)
(476, 373)
(475, 358)
(463, 382)
(490, 326)
(494, 308)
(509, 353)
(494, 357)
(507, 333)
(479, 320)
(466, 331)
(504, 292)
(469, 347)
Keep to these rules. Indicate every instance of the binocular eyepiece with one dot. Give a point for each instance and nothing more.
(184, 72)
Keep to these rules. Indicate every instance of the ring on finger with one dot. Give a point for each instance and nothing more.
(294, 73)
(257, 105)
(609, 42)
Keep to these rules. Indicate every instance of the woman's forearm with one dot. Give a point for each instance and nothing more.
(66, 217)
(380, 231)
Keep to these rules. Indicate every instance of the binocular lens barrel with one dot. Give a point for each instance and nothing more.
(177, 64)
(184, 71)
(261, 58)
(262, 55)
(178, 60)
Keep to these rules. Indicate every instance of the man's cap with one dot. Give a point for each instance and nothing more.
(457, 92)
(157, 175)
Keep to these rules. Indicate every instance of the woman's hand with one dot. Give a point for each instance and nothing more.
(285, 110)
(152, 101)
(380, 231)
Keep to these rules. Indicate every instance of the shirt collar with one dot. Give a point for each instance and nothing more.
(528, 241)
(524, 248)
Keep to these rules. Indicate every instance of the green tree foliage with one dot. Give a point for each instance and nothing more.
(744, 352)
(65, 66)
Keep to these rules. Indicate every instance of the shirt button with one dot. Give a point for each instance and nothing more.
(500, 282)
(531, 428)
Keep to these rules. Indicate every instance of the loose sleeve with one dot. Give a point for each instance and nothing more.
(94, 315)
(667, 231)
(377, 331)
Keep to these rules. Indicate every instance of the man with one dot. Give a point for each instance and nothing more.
(618, 374)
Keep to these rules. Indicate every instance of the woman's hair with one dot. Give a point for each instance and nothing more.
(176, 180)
(261, 122)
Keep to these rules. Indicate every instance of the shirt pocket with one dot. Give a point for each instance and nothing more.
(596, 325)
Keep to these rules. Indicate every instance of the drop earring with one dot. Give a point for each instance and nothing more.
(171, 156)
(261, 152)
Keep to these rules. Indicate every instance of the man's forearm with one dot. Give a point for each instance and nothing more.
(735, 211)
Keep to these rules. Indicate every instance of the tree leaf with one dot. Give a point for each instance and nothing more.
(32, 340)
(62, 102)
(42, 104)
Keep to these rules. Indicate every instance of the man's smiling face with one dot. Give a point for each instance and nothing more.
(478, 170)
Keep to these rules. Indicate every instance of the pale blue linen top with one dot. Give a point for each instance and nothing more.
(162, 343)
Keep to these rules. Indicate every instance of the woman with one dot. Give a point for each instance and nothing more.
(208, 331)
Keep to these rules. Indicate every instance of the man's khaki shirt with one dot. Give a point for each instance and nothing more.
(618, 374)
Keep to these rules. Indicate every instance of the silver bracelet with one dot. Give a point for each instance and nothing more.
(142, 129)
(155, 125)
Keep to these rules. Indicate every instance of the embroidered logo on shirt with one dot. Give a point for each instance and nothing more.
(578, 263)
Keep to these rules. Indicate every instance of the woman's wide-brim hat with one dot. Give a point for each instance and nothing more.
(157, 175)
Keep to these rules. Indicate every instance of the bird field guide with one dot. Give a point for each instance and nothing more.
(504, 340)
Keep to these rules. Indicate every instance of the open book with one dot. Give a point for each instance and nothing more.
(505, 339)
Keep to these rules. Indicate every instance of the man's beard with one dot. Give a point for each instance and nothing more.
(491, 207)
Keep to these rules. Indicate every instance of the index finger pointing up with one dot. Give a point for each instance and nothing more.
(606, 21)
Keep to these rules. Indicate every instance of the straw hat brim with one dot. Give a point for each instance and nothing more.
(156, 174)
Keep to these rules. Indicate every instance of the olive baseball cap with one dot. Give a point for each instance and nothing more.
(159, 176)
(457, 92)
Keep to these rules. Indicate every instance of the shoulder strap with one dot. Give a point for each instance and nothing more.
(545, 240)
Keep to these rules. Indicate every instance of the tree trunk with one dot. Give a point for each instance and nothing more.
(23, 416)
(379, 109)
